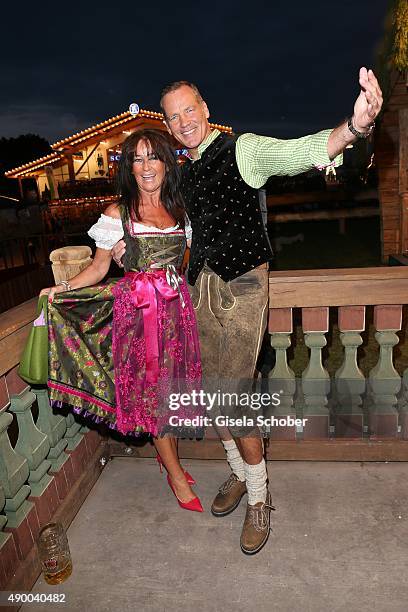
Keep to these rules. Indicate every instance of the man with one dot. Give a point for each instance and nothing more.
(229, 255)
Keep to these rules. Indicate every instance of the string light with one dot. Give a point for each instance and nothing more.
(91, 132)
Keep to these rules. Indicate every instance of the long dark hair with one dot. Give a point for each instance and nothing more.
(128, 190)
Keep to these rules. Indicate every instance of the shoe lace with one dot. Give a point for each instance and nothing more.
(228, 484)
(259, 516)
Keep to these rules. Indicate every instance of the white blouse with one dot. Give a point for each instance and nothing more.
(107, 231)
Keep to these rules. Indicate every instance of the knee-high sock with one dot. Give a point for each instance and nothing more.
(256, 478)
(234, 459)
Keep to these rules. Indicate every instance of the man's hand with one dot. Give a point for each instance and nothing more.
(118, 251)
(366, 109)
(369, 102)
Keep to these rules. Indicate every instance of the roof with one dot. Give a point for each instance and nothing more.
(30, 168)
(77, 141)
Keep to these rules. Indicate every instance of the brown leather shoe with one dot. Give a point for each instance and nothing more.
(228, 496)
(255, 531)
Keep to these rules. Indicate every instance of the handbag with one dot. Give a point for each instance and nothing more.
(34, 360)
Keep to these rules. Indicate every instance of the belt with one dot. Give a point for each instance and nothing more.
(263, 266)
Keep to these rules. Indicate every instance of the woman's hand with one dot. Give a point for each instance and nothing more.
(118, 251)
(51, 291)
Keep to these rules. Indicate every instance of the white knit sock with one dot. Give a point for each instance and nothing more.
(256, 478)
(234, 459)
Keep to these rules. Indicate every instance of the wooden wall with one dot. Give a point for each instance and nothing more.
(391, 156)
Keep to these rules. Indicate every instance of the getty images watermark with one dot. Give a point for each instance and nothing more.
(252, 401)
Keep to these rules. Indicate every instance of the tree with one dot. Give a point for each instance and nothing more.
(15, 152)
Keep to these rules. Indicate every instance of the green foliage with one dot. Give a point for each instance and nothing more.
(393, 51)
(400, 48)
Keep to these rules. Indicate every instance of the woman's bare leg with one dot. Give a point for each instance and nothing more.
(167, 449)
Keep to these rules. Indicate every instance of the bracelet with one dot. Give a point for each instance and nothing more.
(360, 134)
(66, 285)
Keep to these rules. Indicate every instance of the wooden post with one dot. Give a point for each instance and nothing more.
(403, 151)
(20, 187)
(83, 164)
(70, 163)
(403, 177)
(404, 223)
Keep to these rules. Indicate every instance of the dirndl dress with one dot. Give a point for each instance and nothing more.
(124, 351)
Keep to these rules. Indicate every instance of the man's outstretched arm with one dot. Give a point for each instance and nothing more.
(260, 157)
(366, 109)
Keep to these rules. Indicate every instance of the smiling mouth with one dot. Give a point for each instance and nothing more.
(188, 132)
(148, 177)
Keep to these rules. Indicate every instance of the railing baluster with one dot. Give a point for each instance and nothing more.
(315, 378)
(403, 406)
(8, 551)
(53, 426)
(280, 327)
(34, 446)
(14, 472)
(72, 434)
(22, 518)
(384, 380)
(31, 442)
(350, 381)
(3, 518)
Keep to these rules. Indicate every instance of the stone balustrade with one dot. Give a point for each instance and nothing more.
(357, 399)
(48, 461)
(343, 327)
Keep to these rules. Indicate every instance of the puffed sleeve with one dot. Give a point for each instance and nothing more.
(188, 230)
(106, 232)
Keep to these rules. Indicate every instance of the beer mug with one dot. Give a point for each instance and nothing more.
(54, 554)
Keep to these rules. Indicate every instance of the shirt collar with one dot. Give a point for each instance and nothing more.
(206, 142)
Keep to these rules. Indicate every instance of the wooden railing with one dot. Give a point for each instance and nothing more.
(48, 462)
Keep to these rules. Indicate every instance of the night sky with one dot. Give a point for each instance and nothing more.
(276, 68)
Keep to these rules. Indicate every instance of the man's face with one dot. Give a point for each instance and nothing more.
(186, 116)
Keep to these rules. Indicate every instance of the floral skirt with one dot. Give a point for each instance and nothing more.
(124, 352)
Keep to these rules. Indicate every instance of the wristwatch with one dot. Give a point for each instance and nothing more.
(360, 134)
(66, 285)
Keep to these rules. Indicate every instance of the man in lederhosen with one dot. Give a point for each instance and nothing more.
(228, 260)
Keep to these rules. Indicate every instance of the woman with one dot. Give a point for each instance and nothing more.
(119, 349)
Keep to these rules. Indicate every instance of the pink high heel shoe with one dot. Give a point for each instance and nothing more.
(188, 476)
(194, 504)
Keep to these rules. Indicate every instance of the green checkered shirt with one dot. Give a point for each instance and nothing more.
(260, 157)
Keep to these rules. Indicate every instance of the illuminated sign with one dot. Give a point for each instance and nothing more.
(134, 109)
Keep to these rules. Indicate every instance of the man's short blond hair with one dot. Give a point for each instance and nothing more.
(175, 86)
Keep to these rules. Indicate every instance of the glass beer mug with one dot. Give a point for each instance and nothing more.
(54, 554)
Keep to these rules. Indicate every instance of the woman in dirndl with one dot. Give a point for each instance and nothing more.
(121, 350)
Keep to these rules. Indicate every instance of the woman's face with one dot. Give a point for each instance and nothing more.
(148, 170)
